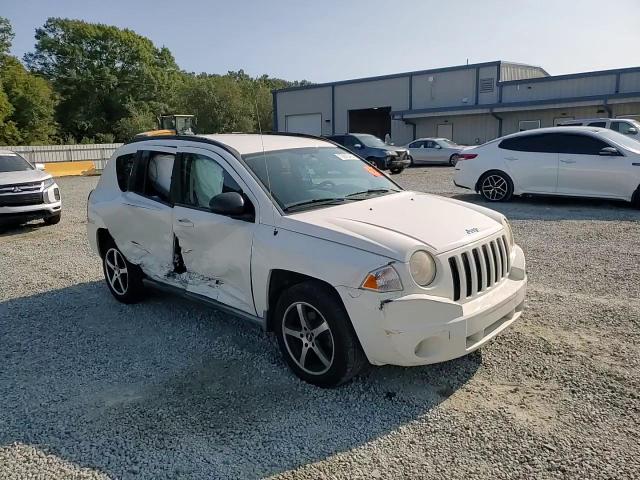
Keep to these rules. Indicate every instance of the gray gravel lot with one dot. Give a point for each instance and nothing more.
(90, 388)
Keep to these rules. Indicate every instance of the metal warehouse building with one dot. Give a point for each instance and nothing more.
(469, 104)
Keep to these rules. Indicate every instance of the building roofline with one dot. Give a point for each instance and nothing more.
(394, 75)
(568, 76)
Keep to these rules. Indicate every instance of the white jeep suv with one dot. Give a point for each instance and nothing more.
(304, 238)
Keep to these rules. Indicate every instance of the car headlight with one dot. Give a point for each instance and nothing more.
(508, 231)
(423, 268)
(48, 183)
(384, 279)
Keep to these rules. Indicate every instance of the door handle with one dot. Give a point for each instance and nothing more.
(568, 161)
(511, 159)
(185, 222)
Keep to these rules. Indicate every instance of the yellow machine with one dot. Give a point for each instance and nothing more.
(172, 125)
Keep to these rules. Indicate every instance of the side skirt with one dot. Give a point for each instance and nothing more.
(261, 322)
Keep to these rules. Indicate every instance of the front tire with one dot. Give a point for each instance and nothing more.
(496, 186)
(123, 278)
(316, 337)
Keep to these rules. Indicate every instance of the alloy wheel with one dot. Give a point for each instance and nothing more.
(308, 338)
(495, 187)
(116, 270)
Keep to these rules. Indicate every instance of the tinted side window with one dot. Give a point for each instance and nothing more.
(622, 127)
(541, 143)
(350, 141)
(201, 179)
(576, 144)
(124, 167)
(153, 174)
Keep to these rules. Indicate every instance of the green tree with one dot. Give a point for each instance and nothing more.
(27, 102)
(99, 71)
(6, 35)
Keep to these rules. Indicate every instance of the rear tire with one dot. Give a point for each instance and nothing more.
(316, 337)
(397, 170)
(411, 160)
(53, 220)
(123, 278)
(495, 186)
(453, 159)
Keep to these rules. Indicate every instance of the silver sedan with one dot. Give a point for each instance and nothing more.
(433, 150)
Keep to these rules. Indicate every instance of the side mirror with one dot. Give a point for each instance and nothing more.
(40, 166)
(357, 145)
(632, 131)
(228, 203)
(609, 152)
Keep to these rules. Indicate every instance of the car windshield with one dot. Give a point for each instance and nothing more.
(13, 163)
(623, 140)
(312, 177)
(371, 141)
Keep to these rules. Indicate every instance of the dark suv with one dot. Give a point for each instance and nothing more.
(374, 150)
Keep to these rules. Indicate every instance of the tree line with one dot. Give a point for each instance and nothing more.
(87, 82)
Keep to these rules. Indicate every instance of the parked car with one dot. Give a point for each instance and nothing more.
(26, 192)
(339, 261)
(626, 126)
(375, 151)
(570, 161)
(434, 150)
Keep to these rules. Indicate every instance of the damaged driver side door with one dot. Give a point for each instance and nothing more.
(214, 248)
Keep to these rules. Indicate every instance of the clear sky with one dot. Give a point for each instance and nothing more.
(326, 40)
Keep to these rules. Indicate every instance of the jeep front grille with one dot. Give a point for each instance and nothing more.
(480, 268)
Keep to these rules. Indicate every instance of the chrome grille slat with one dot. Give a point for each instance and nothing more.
(479, 268)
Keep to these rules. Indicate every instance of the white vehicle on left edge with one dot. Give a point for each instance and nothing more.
(26, 192)
(564, 161)
(302, 237)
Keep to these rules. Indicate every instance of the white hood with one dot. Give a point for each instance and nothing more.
(25, 176)
(396, 225)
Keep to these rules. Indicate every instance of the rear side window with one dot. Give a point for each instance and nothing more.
(541, 143)
(153, 174)
(576, 144)
(124, 167)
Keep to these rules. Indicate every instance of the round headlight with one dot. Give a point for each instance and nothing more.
(423, 268)
(508, 231)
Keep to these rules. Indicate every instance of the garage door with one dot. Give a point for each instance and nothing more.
(309, 123)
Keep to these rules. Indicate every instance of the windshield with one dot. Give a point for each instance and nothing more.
(303, 178)
(371, 140)
(621, 139)
(13, 163)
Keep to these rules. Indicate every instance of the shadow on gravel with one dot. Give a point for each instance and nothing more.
(169, 388)
(558, 208)
(13, 229)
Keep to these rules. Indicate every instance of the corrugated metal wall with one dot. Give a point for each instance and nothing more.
(515, 71)
(65, 153)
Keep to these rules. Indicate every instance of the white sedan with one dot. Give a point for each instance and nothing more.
(307, 240)
(434, 150)
(567, 161)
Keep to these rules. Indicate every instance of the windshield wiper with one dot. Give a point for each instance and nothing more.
(315, 201)
(371, 191)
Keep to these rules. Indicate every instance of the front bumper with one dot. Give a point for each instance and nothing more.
(419, 329)
(51, 205)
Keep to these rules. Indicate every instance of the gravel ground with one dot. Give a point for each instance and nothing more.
(90, 388)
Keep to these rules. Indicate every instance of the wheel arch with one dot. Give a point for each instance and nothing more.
(103, 238)
(282, 279)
